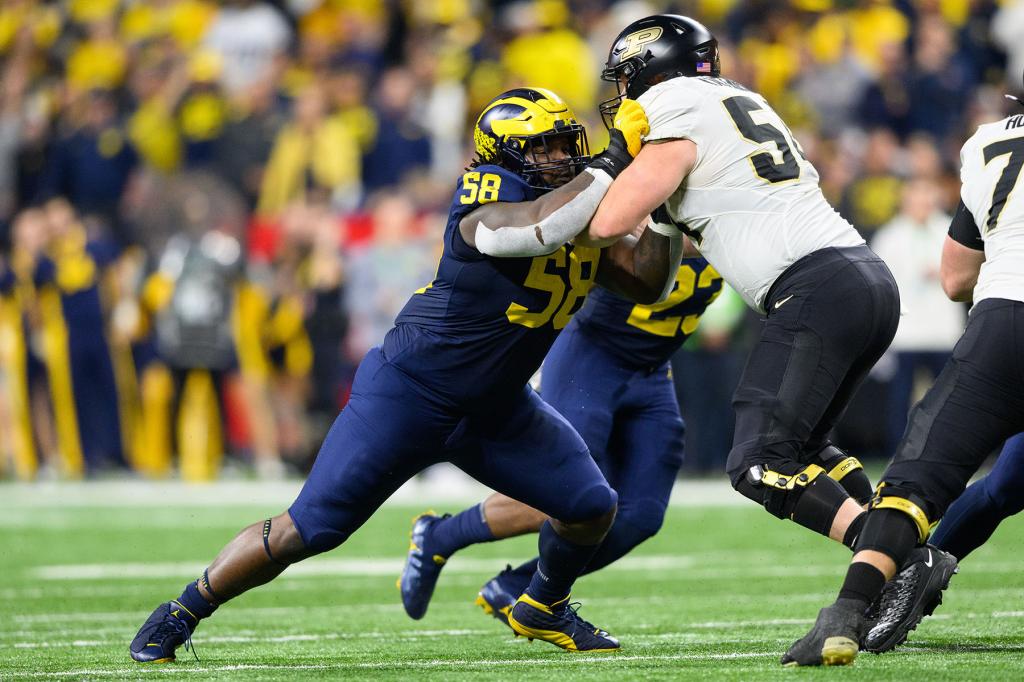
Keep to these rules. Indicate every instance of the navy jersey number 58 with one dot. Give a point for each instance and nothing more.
(567, 281)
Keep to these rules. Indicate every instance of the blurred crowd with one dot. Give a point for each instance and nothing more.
(209, 211)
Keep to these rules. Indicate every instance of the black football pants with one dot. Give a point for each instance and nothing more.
(830, 316)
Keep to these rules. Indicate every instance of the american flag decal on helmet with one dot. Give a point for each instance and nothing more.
(703, 67)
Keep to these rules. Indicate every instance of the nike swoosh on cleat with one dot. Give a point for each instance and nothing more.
(928, 563)
(778, 304)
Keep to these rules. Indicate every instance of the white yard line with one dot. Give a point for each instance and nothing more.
(318, 567)
(247, 613)
(445, 485)
(243, 635)
(678, 567)
(578, 659)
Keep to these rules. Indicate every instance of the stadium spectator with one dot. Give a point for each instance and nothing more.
(872, 198)
(935, 81)
(1008, 33)
(315, 108)
(383, 272)
(401, 145)
(885, 103)
(248, 137)
(930, 324)
(91, 164)
(250, 37)
(314, 154)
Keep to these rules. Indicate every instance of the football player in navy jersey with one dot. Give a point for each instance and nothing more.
(450, 380)
(609, 375)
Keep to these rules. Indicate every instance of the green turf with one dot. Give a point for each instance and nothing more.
(734, 589)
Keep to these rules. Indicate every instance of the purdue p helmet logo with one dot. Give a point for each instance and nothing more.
(635, 41)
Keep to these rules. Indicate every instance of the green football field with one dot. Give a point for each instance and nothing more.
(719, 594)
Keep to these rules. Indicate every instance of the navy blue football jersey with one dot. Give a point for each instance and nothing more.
(483, 326)
(648, 335)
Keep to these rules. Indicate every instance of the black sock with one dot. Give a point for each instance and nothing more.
(863, 583)
(854, 529)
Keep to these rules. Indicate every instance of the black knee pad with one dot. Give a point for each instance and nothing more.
(817, 507)
(808, 496)
(889, 531)
(908, 503)
(848, 471)
(781, 490)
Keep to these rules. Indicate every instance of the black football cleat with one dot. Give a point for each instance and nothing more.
(167, 628)
(834, 639)
(912, 594)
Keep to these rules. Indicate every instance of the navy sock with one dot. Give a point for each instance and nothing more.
(193, 601)
(527, 569)
(621, 539)
(468, 527)
(561, 562)
(619, 542)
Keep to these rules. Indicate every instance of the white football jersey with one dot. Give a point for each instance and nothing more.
(993, 191)
(752, 201)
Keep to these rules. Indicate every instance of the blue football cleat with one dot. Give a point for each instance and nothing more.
(499, 594)
(558, 624)
(422, 567)
(168, 627)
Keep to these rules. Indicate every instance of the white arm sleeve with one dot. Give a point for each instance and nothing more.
(675, 254)
(551, 232)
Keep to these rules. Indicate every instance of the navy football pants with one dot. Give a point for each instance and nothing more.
(970, 521)
(629, 419)
(392, 428)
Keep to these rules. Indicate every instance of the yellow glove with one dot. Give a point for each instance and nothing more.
(632, 121)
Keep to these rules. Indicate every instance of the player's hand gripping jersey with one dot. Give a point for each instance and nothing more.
(483, 326)
(752, 202)
(992, 161)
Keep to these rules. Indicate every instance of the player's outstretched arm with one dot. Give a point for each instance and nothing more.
(655, 175)
(539, 227)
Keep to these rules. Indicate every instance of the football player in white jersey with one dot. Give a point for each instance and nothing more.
(977, 402)
(730, 174)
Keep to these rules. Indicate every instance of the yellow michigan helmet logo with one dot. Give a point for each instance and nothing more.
(520, 113)
(518, 130)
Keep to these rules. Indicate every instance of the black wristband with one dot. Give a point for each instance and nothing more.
(615, 158)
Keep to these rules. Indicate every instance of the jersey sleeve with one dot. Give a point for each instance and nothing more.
(478, 186)
(486, 184)
(671, 111)
(964, 229)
